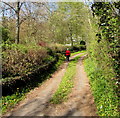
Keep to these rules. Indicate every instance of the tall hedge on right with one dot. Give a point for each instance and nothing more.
(102, 64)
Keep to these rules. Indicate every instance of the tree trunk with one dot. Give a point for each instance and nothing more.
(71, 38)
(70, 29)
(71, 41)
(18, 23)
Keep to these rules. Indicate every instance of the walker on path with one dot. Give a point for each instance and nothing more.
(67, 54)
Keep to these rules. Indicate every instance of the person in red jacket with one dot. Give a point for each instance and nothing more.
(67, 54)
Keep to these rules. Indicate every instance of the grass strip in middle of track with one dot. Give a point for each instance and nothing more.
(66, 84)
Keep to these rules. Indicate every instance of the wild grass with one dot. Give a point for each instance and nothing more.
(74, 53)
(103, 89)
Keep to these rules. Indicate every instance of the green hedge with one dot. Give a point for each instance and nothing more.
(11, 84)
(18, 60)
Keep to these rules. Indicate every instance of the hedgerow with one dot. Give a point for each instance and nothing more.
(103, 61)
(20, 59)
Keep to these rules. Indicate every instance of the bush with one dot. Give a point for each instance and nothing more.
(6, 38)
(82, 47)
(5, 34)
(21, 60)
(78, 48)
(56, 47)
(18, 59)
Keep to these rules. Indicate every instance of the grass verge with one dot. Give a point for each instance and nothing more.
(8, 102)
(66, 84)
(103, 90)
(83, 51)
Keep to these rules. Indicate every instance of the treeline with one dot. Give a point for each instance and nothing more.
(52, 22)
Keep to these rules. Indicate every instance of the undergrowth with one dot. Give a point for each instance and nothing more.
(103, 90)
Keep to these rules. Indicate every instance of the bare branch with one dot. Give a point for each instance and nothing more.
(48, 8)
(22, 20)
(10, 6)
(22, 4)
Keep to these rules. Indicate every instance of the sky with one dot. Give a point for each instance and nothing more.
(85, 1)
(41, 1)
(61, 0)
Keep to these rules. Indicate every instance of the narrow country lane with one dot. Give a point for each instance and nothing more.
(36, 101)
(80, 101)
(36, 37)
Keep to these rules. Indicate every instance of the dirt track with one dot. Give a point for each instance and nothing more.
(79, 103)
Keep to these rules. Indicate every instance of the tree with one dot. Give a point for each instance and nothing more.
(69, 22)
(26, 11)
(17, 13)
(108, 22)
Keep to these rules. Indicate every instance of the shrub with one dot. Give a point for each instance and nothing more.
(78, 48)
(57, 47)
(20, 60)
